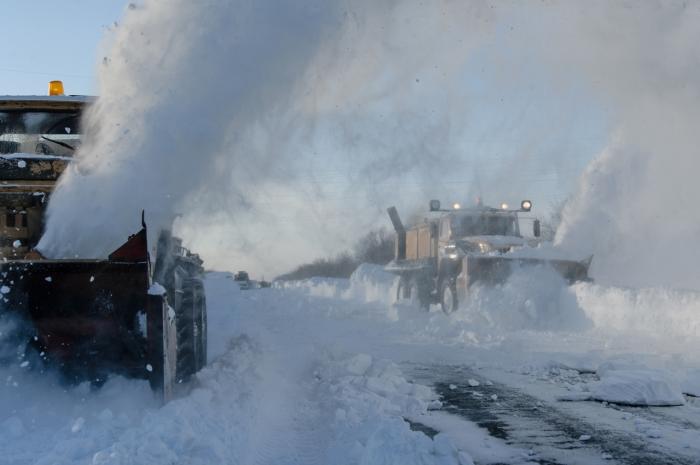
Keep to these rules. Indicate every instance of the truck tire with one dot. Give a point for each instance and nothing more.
(419, 294)
(201, 320)
(191, 327)
(448, 296)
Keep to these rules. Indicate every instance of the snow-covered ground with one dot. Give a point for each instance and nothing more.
(328, 371)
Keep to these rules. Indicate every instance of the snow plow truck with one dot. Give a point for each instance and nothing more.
(127, 314)
(441, 257)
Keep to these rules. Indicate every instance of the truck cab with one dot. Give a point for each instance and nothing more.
(448, 233)
(441, 257)
(38, 137)
(480, 230)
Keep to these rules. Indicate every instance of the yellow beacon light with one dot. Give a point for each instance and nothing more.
(55, 88)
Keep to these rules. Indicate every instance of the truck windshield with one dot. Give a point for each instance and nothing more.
(39, 132)
(486, 224)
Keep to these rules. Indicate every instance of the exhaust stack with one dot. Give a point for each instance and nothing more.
(400, 233)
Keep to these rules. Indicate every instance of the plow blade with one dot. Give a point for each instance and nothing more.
(496, 270)
(89, 318)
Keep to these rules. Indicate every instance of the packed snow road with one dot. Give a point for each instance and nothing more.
(330, 372)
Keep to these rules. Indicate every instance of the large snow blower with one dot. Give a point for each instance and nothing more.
(87, 318)
(441, 257)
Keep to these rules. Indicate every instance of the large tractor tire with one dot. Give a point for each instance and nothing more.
(201, 326)
(448, 296)
(191, 330)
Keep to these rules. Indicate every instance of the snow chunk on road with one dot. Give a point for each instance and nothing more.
(637, 387)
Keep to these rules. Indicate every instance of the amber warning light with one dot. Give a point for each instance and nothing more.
(55, 88)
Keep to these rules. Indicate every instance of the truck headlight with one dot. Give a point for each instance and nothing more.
(451, 252)
(484, 248)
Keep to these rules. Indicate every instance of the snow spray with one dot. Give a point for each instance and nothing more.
(273, 133)
(635, 208)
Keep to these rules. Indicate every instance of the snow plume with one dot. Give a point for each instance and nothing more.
(278, 132)
(181, 83)
(635, 207)
(273, 131)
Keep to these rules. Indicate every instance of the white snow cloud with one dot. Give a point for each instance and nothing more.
(635, 205)
(277, 132)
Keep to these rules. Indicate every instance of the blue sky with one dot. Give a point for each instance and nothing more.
(47, 40)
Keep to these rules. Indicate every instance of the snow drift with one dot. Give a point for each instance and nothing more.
(539, 301)
(637, 387)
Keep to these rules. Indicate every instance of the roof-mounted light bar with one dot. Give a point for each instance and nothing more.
(525, 206)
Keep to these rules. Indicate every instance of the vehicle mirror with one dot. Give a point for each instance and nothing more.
(536, 229)
(434, 205)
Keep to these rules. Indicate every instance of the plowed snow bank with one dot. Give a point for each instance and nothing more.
(535, 299)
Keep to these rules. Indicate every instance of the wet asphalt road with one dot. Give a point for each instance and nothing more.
(550, 435)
